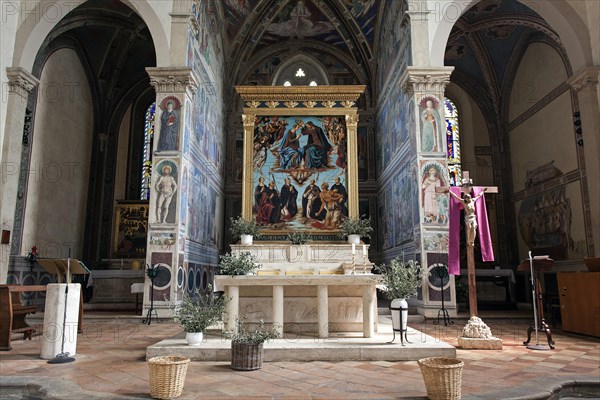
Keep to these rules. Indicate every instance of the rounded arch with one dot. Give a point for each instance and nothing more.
(560, 15)
(299, 59)
(39, 22)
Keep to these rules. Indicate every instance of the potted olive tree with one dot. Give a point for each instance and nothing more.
(242, 263)
(355, 228)
(196, 314)
(401, 279)
(247, 345)
(244, 229)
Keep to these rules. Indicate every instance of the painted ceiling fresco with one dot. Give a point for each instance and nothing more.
(348, 25)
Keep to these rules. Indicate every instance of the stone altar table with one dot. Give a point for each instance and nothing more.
(343, 303)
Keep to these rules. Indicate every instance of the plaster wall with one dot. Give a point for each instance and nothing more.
(122, 156)
(541, 71)
(545, 136)
(59, 169)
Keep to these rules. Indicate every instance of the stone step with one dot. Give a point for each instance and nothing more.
(305, 348)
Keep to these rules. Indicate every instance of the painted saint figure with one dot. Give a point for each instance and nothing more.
(169, 128)
(431, 127)
(288, 200)
(468, 203)
(341, 189)
(430, 204)
(317, 148)
(269, 206)
(289, 152)
(311, 200)
(166, 188)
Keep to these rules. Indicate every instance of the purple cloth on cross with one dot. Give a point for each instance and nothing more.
(483, 230)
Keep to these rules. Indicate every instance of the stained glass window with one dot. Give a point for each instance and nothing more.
(147, 152)
(453, 142)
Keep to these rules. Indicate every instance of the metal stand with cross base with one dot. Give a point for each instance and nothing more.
(442, 273)
(152, 272)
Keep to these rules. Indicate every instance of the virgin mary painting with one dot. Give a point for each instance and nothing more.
(431, 124)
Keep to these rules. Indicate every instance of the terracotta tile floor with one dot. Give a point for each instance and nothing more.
(111, 358)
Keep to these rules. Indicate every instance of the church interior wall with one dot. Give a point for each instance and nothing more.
(546, 158)
(58, 179)
(121, 168)
(534, 80)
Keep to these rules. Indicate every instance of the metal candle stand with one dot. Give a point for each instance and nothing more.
(442, 272)
(403, 332)
(152, 272)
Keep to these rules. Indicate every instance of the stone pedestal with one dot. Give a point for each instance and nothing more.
(54, 317)
(477, 335)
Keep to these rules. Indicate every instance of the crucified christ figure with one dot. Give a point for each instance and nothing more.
(468, 203)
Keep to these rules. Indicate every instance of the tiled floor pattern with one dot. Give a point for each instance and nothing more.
(111, 358)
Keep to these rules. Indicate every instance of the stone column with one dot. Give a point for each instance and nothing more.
(585, 85)
(175, 87)
(20, 85)
(425, 87)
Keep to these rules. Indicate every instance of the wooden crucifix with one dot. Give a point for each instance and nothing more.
(468, 203)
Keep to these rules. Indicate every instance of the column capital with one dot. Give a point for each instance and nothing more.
(248, 120)
(352, 120)
(20, 81)
(425, 79)
(172, 79)
(587, 77)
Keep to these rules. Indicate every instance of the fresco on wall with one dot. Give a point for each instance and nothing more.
(206, 32)
(299, 172)
(394, 41)
(435, 205)
(435, 241)
(392, 125)
(165, 185)
(168, 139)
(433, 128)
(545, 223)
(403, 192)
(204, 210)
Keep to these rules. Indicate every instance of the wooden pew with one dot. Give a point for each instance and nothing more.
(12, 313)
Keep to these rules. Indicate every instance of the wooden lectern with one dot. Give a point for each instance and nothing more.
(536, 265)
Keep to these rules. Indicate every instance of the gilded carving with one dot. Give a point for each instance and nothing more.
(310, 104)
(291, 104)
(253, 104)
(329, 104)
(272, 104)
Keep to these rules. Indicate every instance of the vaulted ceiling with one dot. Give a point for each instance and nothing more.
(344, 29)
(488, 42)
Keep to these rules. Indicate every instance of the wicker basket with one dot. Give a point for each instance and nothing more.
(167, 376)
(246, 356)
(442, 376)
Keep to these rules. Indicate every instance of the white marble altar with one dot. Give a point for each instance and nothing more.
(323, 304)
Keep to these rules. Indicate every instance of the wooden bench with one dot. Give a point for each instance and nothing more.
(13, 313)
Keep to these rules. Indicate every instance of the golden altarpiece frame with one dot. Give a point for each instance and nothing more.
(300, 170)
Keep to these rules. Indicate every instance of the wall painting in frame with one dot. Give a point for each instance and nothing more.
(300, 158)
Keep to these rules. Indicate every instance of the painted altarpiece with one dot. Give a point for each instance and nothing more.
(300, 170)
